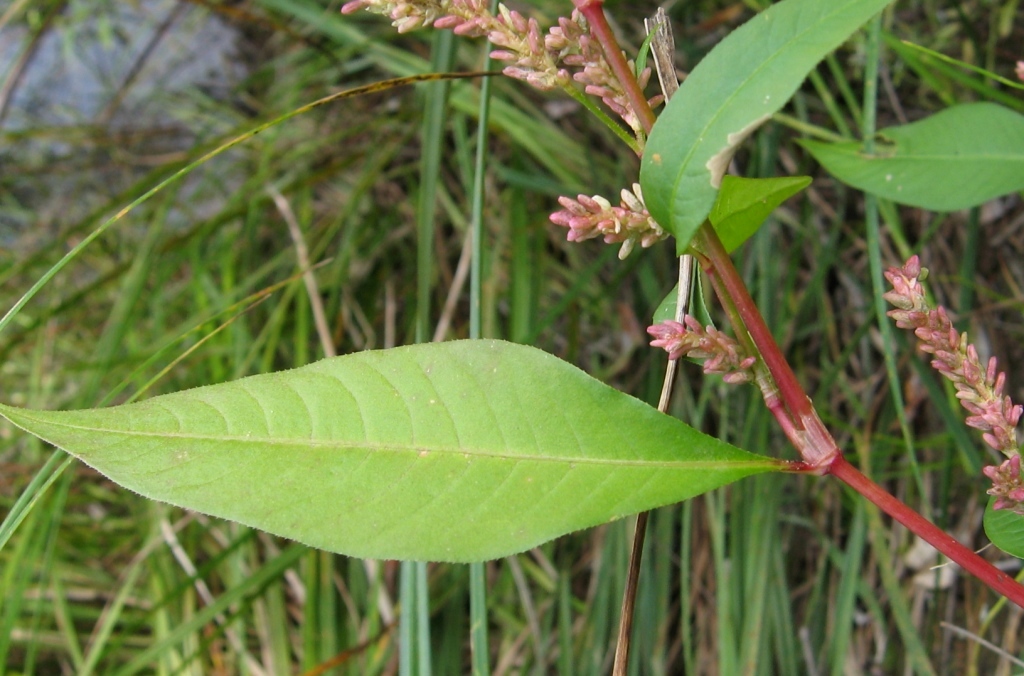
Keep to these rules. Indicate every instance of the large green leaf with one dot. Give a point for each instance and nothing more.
(751, 74)
(458, 451)
(955, 159)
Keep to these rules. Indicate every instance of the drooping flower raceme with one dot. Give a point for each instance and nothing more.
(628, 223)
(980, 388)
(565, 54)
(544, 61)
(520, 39)
(724, 356)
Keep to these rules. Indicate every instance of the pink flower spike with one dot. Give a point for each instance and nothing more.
(626, 224)
(722, 354)
(979, 385)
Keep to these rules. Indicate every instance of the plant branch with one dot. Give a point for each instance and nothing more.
(593, 12)
(720, 267)
(811, 438)
(996, 579)
(806, 431)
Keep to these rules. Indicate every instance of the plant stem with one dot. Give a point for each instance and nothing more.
(793, 396)
(806, 431)
(663, 47)
(996, 579)
(478, 645)
(592, 10)
(620, 665)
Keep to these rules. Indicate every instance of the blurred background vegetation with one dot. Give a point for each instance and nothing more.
(100, 100)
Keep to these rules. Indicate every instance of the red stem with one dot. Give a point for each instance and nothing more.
(594, 14)
(789, 388)
(799, 405)
(996, 579)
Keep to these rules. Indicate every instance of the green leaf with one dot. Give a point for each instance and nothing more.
(1005, 529)
(641, 55)
(751, 74)
(667, 308)
(459, 451)
(698, 308)
(955, 159)
(743, 204)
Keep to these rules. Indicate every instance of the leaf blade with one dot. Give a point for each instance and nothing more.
(955, 159)
(751, 74)
(744, 204)
(458, 451)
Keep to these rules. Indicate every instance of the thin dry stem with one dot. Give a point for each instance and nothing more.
(302, 254)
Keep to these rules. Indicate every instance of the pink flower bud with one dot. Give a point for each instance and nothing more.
(353, 6)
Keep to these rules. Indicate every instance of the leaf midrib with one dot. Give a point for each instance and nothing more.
(418, 450)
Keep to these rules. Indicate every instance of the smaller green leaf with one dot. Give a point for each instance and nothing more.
(956, 159)
(698, 308)
(1005, 529)
(667, 308)
(645, 50)
(744, 203)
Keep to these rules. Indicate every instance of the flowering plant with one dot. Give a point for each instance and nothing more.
(472, 450)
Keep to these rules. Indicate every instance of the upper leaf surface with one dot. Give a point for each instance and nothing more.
(458, 451)
(958, 158)
(743, 204)
(751, 74)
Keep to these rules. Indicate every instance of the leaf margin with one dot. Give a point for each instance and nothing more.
(655, 482)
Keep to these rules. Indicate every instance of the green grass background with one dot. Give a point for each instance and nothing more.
(202, 284)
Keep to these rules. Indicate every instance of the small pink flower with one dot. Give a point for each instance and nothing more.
(1020, 70)
(354, 6)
